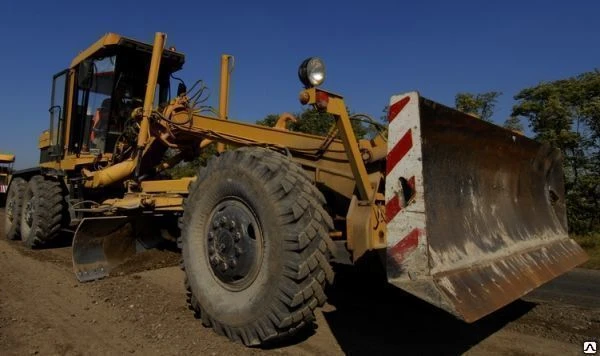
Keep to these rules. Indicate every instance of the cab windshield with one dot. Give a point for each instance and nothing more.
(118, 87)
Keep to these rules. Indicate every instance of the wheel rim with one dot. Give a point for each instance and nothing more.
(234, 244)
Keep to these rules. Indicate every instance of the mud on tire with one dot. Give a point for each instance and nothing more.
(281, 262)
(14, 204)
(44, 211)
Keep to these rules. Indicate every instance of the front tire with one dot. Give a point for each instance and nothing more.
(254, 246)
(44, 211)
(14, 204)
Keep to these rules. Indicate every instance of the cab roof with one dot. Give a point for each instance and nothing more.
(111, 40)
(7, 158)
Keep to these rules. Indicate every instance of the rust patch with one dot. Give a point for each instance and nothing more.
(482, 289)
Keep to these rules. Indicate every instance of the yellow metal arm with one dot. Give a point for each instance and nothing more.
(334, 104)
(157, 50)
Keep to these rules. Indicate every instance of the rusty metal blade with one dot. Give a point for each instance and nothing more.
(100, 244)
(485, 220)
(481, 289)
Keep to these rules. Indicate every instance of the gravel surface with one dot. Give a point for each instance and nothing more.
(141, 309)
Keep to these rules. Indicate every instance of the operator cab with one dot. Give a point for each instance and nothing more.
(6, 168)
(108, 82)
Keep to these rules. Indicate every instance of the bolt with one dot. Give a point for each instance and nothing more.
(223, 220)
(213, 261)
(365, 154)
(211, 235)
(237, 236)
(232, 224)
(304, 98)
(233, 263)
(224, 266)
(238, 250)
(215, 224)
(222, 247)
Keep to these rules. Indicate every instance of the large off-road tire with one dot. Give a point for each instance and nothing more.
(254, 246)
(12, 212)
(44, 213)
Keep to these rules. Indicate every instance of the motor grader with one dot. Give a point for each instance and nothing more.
(6, 167)
(464, 214)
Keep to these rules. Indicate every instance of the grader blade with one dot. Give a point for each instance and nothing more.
(100, 244)
(476, 213)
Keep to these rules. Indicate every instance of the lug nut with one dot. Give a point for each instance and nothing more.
(213, 260)
(238, 250)
(224, 266)
(237, 236)
(232, 263)
(232, 224)
(215, 223)
(211, 235)
(223, 220)
(222, 247)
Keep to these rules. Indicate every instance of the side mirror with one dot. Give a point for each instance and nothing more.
(85, 74)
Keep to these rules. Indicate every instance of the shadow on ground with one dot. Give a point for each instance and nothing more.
(65, 239)
(373, 317)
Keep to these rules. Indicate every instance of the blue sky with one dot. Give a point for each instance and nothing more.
(372, 49)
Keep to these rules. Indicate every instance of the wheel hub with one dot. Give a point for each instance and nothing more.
(234, 244)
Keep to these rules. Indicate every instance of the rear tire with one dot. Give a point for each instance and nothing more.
(14, 204)
(254, 246)
(44, 211)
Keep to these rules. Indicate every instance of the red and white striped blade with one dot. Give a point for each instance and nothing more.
(476, 213)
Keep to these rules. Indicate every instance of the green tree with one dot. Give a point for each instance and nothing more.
(566, 114)
(309, 121)
(513, 123)
(189, 169)
(481, 105)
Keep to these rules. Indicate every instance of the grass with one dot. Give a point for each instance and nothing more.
(591, 244)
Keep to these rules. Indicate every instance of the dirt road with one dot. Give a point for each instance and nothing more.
(43, 310)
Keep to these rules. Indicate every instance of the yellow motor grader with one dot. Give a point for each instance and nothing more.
(6, 167)
(466, 215)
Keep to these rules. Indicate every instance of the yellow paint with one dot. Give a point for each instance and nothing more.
(167, 186)
(44, 140)
(109, 175)
(106, 40)
(157, 50)
(7, 158)
(335, 105)
(226, 60)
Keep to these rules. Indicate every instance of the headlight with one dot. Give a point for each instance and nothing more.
(312, 72)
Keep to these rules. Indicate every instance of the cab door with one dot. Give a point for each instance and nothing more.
(57, 116)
